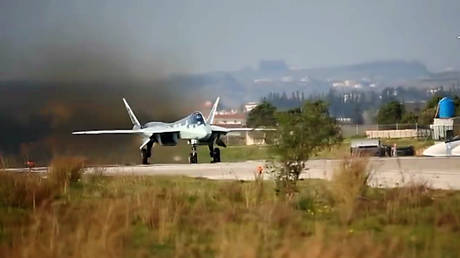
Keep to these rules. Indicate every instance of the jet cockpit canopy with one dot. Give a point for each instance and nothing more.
(195, 119)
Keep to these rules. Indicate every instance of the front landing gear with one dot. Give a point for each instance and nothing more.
(193, 158)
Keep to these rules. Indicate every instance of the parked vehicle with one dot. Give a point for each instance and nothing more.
(373, 147)
(366, 147)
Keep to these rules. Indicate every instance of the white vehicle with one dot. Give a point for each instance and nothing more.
(444, 149)
(193, 128)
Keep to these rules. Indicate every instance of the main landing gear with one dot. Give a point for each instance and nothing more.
(146, 153)
(214, 153)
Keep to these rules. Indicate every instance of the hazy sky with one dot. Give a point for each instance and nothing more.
(201, 36)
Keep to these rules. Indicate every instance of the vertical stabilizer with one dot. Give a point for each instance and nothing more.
(133, 118)
(210, 119)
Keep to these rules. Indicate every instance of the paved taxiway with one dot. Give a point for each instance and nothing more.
(442, 173)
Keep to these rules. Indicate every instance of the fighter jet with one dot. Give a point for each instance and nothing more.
(193, 128)
(444, 149)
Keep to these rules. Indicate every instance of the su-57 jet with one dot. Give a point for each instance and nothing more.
(193, 128)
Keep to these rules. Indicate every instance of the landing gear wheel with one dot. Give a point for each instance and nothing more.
(211, 154)
(193, 158)
(216, 155)
(145, 157)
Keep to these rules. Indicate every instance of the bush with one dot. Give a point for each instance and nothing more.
(302, 133)
(65, 170)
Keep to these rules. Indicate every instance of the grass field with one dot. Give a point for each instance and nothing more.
(68, 214)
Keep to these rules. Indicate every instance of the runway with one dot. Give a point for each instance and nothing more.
(437, 172)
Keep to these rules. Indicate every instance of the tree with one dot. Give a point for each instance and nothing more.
(262, 115)
(301, 134)
(429, 112)
(426, 116)
(457, 105)
(409, 118)
(433, 102)
(390, 113)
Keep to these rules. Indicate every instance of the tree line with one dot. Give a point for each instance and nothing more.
(355, 103)
(395, 112)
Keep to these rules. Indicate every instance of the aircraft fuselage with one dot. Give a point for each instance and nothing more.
(191, 128)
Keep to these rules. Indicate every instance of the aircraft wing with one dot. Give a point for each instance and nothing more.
(109, 132)
(148, 130)
(220, 129)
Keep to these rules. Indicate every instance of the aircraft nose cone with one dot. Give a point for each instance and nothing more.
(456, 151)
(436, 150)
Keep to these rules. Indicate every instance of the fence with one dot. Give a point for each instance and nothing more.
(350, 130)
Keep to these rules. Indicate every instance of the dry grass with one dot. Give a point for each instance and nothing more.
(25, 190)
(3, 162)
(400, 203)
(132, 216)
(31, 190)
(348, 187)
(65, 170)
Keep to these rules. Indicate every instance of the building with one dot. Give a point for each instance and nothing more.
(445, 128)
(250, 106)
(230, 119)
(233, 119)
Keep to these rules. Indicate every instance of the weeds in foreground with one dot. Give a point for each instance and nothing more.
(94, 175)
(348, 187)
(65, 170)
(182, 217)
(27, 190)
(3, 163)
(24, 190)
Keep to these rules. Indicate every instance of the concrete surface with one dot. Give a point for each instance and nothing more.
(437, 172)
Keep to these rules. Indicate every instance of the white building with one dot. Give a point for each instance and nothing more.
(444, 128)
(250, 106)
